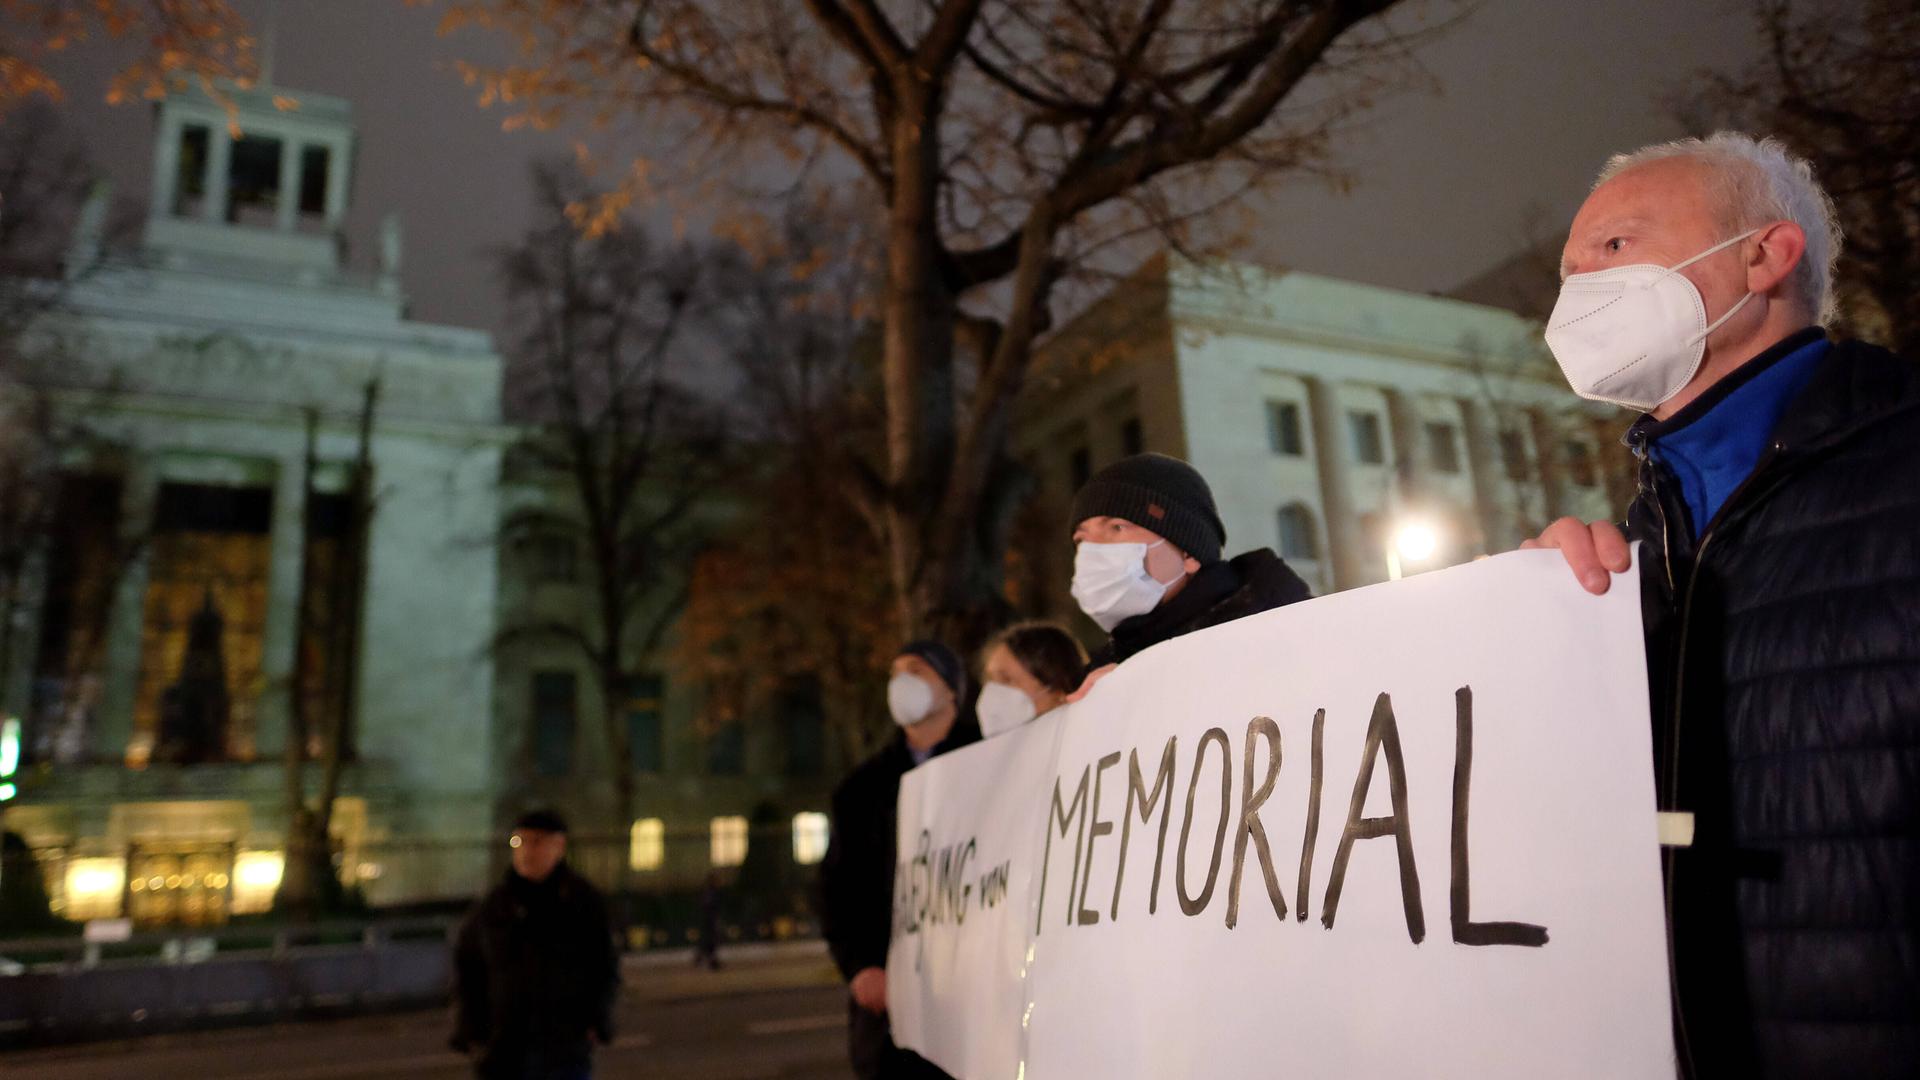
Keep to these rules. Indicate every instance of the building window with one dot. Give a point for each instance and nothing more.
(83, 560)
(1513, 455)
(253, 181)
(203, 627)
(1283, 428)
(1079, 467)
(1580, 463)
(1297, 539)
(646, 742)
(553, 558)
(727, 841)
(190, 179)
(328, 629)
(727, 750)
(93, 888)
(554, 707)
(810, 833)
(256, 877)
(1368, 449)
(1132, 438)
(647, 845)
(1443, 448)
(314, 162)
(806, 726)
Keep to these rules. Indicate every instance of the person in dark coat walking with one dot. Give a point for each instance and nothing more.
(925, 696)
(1779, 523)
(535, 968)
(1147, 565)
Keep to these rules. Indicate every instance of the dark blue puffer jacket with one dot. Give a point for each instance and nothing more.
(1784, 654)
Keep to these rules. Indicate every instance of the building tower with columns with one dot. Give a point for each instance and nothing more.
(161, 656)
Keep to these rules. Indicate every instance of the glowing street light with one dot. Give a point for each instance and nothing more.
(1413, 541)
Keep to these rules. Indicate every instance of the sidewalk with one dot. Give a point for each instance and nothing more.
(669, 974)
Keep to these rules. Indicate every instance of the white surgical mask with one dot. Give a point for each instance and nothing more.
(1633, 335)
(1111, 583)
(909, 699)
(1002, 708)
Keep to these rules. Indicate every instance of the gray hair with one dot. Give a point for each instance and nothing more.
(1758, 181)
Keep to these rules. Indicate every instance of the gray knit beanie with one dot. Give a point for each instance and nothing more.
(1161, 494)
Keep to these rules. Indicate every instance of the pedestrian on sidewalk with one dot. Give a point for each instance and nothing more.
(706, 952)
(535, 967)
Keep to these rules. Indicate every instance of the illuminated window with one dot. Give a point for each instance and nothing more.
(810, 831)
(647, 844)
(94, 888)
(203, 624)
(728, 844)
(256, 877)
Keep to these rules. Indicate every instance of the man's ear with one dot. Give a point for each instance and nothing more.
(1777, 249)
(1192, 566)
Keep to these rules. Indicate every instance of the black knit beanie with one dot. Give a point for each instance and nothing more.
(1161, 494)
(543, 820)
(944, 662)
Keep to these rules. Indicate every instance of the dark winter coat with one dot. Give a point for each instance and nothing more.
(1784, 654)
(535, 973)
(1219, 593)
(856, 886)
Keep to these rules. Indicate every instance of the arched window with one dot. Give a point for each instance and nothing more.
(1298, 538)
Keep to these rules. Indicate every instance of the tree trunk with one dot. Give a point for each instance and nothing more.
(917, 358)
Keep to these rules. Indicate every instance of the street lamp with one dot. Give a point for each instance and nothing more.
(1413, 541)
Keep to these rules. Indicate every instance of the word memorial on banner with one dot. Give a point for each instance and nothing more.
(1223, 861)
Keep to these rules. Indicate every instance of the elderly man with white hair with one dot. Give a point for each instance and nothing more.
(1779, 518)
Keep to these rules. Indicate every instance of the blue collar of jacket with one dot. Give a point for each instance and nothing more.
(1713, 444)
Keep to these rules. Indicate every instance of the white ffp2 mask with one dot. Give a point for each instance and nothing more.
(1633, 335)
(1111, 583)
(909, 699)
(1002, 708)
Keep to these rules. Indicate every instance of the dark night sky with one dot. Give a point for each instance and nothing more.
(1533, 95)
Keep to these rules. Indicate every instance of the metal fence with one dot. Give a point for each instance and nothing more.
(758, 881)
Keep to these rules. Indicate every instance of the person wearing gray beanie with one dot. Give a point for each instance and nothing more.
(1147, 565)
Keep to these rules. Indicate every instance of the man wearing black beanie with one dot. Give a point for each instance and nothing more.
(1147, 565)
(927, 697)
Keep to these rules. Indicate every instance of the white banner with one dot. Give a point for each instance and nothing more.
(1402, 831)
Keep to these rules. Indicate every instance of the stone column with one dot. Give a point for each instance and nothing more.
(1344, 542)
(280, 638)
(1489, 479)
(337, 179)
(166, 168)
(1410, 462)
(219, 157)
(1548, 466)
(120, 661)
(286, 213)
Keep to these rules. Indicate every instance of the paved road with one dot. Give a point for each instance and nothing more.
(780, 1018)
